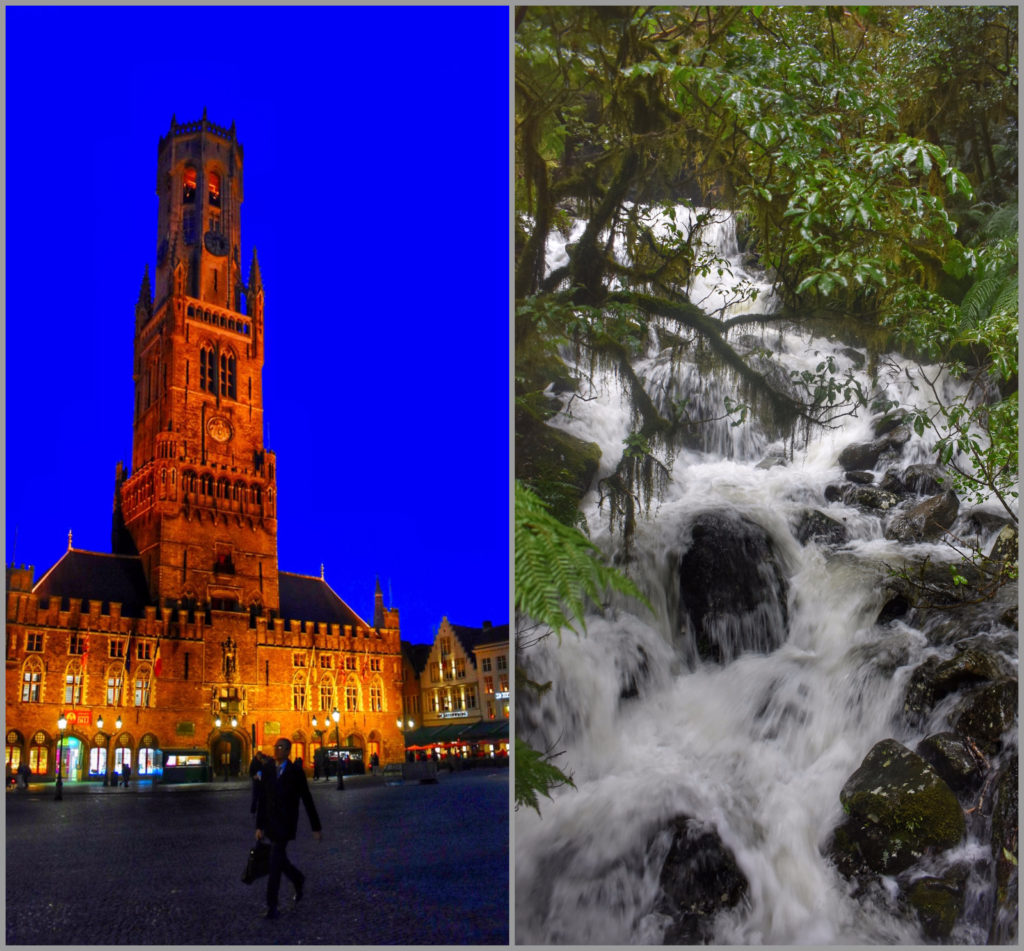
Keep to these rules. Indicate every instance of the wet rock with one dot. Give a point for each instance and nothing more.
(1005, 819)
(987, 714)
(935, 679)
(869, 497)
(699, 879)
(939, 902)
(862, 476)
(923, 479)
(862, 455)
(1004, 548)
(895, 607)
(951, 757)
(815, 525)
(634, 674)
(854, 356)
(733, 588)
(926, 521)
(772, 460)
(897, 810)
(883, 425)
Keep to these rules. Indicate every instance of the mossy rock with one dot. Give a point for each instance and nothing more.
(939, 902)
(988, 713)
(898, 809)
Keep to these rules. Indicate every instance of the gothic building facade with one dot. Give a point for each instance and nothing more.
(186, 648)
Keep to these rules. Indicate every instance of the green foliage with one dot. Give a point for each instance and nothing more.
(557, 569)
(535, 774)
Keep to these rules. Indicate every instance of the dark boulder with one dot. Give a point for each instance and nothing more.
(1005, 819)
(950, 756)
(862, 455)
(923, 479)
(733, 588)
(862, 476)
(870, 497)
(897, 810)
(883, 425)
(816, 526)
(938, 901)
(699, 879)
(926, 521)
(987, 714)
(935, 679)
(1004, 549)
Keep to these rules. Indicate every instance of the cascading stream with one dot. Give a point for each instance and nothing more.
(758, 747)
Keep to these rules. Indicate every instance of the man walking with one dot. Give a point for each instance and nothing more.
(282, 785)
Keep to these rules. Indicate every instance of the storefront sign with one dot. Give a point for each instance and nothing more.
(272, 727)
(501, 695)
(185, 729)
(454, 714)
(79, 717)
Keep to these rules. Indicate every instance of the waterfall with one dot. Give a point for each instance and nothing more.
(757, 746)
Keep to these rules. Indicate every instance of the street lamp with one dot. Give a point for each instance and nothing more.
(335, 716)
(62, 725)
(403, 725)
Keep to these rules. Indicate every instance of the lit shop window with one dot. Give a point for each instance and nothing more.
(98, 760)
(38, 757)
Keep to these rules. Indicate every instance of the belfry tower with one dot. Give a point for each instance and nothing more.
(199, 506)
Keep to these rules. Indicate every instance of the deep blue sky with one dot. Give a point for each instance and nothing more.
(377, 195)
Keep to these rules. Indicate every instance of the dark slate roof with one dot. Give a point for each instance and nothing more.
(473, 637)
(305, 598)
(417, 654)
(93, 576)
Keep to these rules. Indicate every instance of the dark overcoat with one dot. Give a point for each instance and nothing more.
(277, 813)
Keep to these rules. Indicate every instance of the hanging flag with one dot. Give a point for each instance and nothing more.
(128, 655)
(157, 660)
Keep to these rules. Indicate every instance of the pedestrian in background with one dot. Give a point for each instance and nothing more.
(23, 775)
(126, 774)
(258, 759)
(282, 785)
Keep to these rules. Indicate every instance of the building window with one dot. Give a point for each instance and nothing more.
(350, 663)
(115, 686)
(352, 697)
(32, 681)
(470, 697)
(227, 375)
(213, 188)
(188, 186)
(460, 666)
(490, 709)
(501, 662)
(207, 370)
(13, 756)
(73, 683)
(34, 642)
(326, 694)
(298, 692)
(376, 697)
(326, 662)
(503, 683)
(488, 684)
(38, 758)
(485, 664)
(77, 644)
(98, 761)
(142, 683)
(375, 664)
(115, 647)
(144, 650)
(298, 660)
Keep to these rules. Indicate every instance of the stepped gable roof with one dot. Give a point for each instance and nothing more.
(473, 637)
(305, 598)
(94, 576)
(417, 655)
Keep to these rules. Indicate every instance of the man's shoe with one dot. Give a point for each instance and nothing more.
(298, 887)
(271, 913)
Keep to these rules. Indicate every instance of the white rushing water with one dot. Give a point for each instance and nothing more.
(760, 747)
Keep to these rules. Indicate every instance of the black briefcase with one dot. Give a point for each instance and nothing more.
(258, 863)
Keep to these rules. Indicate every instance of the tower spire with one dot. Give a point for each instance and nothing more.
(378, 606)
(255, 281)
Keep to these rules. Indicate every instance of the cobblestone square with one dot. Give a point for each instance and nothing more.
(399, 864)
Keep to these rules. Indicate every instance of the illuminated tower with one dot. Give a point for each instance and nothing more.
(199, 506)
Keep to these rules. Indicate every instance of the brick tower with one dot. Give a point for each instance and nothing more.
(199, 506)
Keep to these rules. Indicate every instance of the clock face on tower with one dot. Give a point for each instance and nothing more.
(216, 243)
(219, 429)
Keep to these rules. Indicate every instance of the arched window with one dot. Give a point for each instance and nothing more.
(227, 375)
(73, 683)
(327, 693)
(299, 691)
(352, 695)
(377, 696)
(213, 188)
(188, 186)
(32, 681)
(115, 684)
(208, 370)
(143, 680)
(39, 754)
